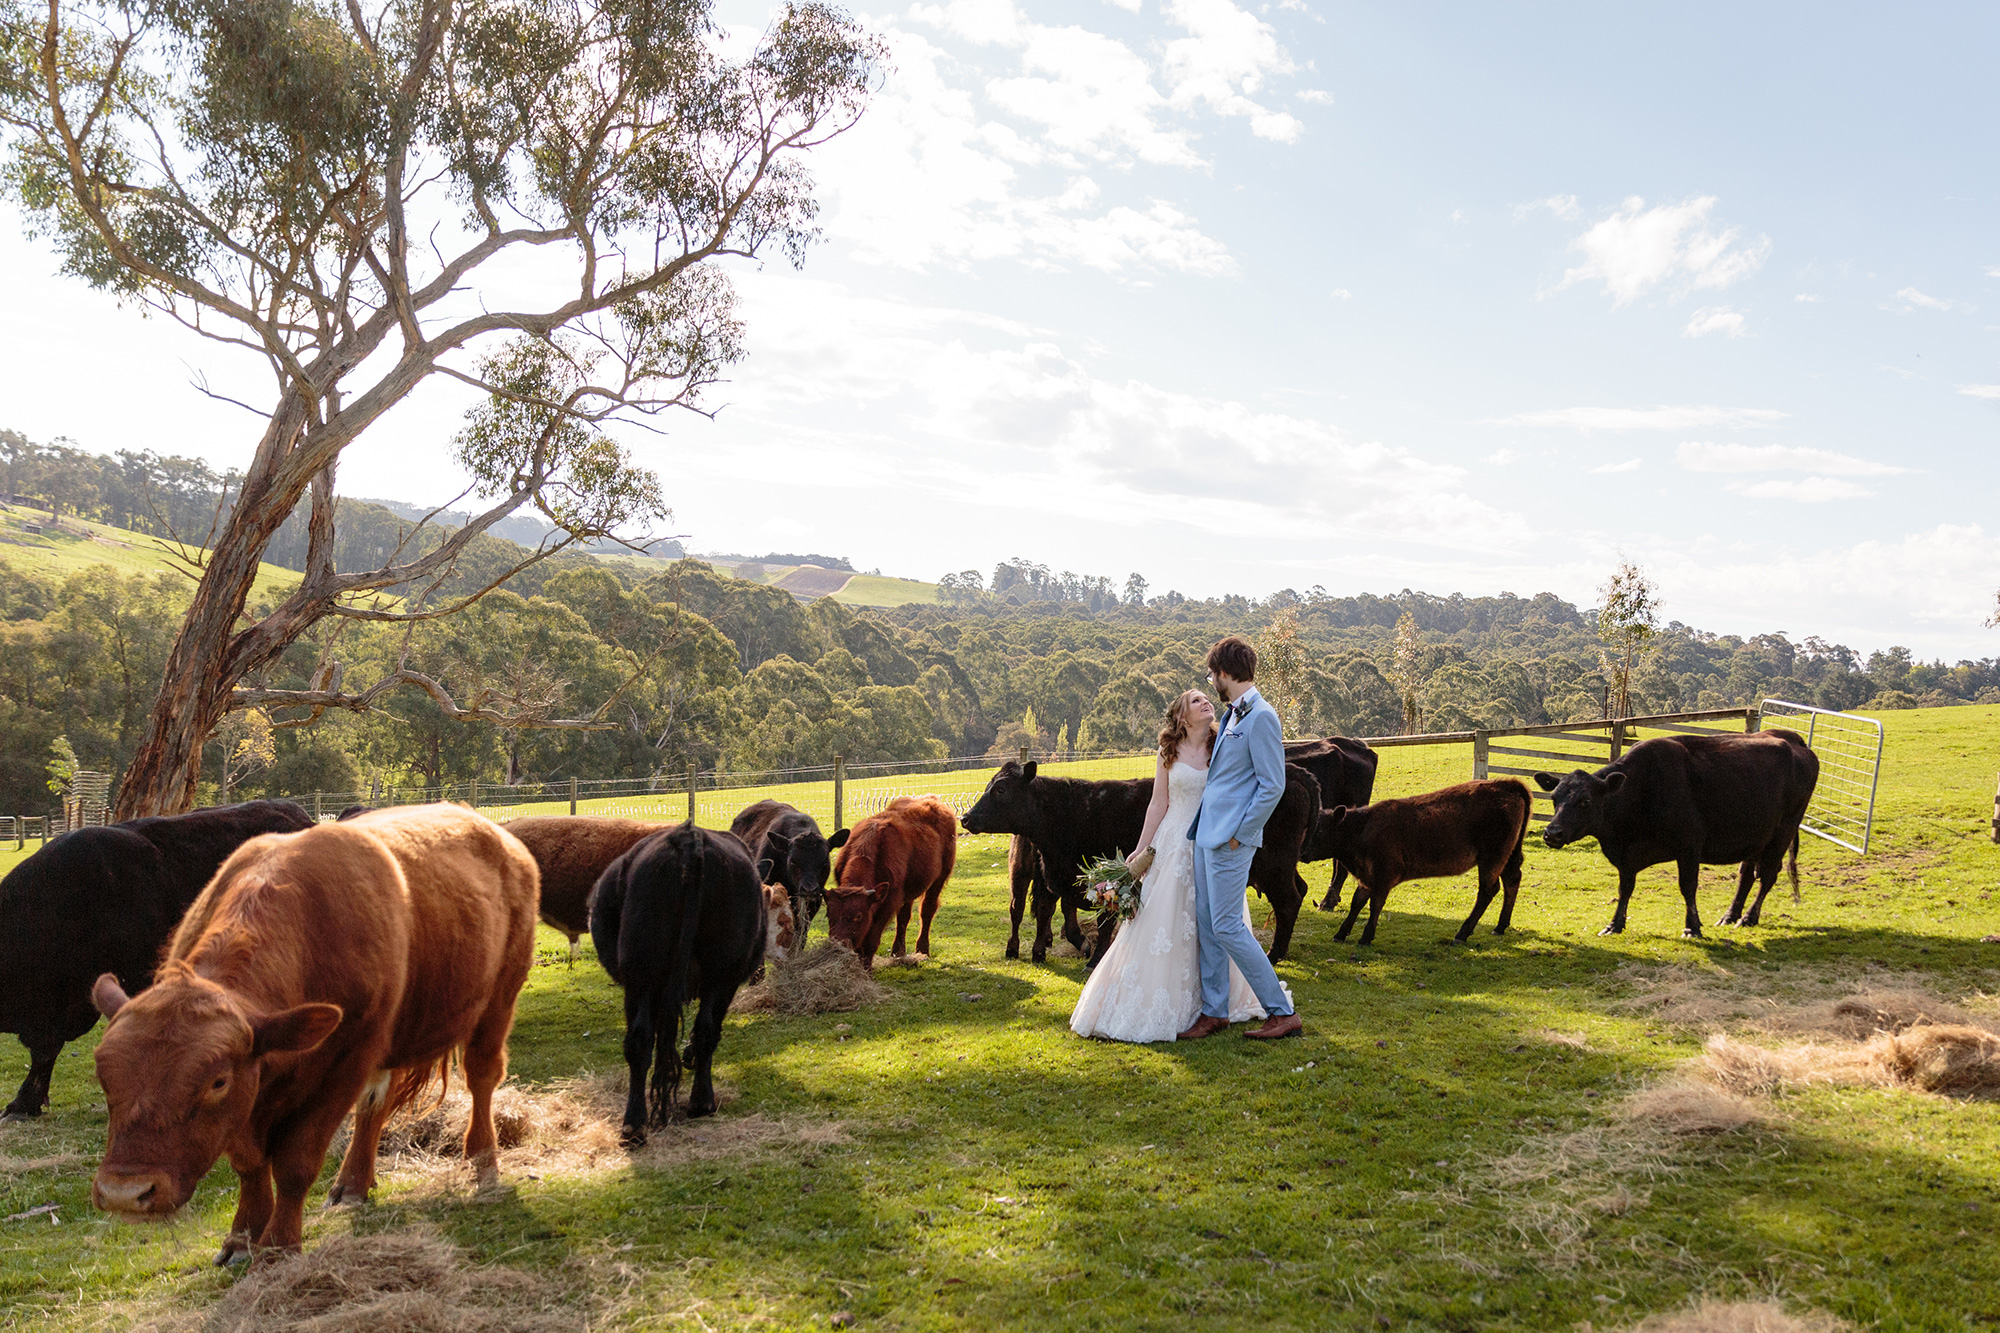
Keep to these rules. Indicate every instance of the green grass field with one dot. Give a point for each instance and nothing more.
(880, 590)
(1000, 1173)
(58, 553)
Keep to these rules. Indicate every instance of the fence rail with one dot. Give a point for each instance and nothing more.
(1850, 770)
(1587, 745)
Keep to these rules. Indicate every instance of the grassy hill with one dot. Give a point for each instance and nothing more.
(32, 543)
(858, 590)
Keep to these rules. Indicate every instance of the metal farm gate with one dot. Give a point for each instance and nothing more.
(1849, 747)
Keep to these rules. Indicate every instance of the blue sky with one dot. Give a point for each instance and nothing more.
(1467, 298)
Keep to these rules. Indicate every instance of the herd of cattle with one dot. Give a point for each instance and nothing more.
(264, 975)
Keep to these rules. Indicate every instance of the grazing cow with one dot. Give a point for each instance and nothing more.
(791, 841)
(1692, 800)
(1345, 770)
(1071, 821)
(890, 862)
(781, 929)
(679, 915)
(1447, 832)
(104, 900)
(572, 851)
(350, 961)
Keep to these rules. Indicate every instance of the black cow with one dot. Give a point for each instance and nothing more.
(1071, 821)
(1345, 770)
(679, 915)
(1693, 800)
(791, 841)
(105, 900)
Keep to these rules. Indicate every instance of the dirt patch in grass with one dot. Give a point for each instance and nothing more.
(1846, 1002)
(410, 1280)
(1735, 1317)
(827, 979)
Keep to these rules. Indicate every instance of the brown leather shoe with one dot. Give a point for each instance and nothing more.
(1285, 1025)
(1204, 1026)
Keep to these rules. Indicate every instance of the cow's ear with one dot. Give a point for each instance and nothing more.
(839, 838)
(765, 870)
(1547, 781)
(108, 995)
(1029, 769)
(1613, 781)
(1333, 815)
(294, 1030)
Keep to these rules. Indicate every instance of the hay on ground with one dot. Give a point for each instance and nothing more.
(413, 1281)
(829, 978)
(1738, 1317)
(1851, 1004)
(1955, 1060)
(1952, 1060)
(1685, 1106)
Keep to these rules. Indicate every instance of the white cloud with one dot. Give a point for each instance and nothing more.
(1913, 299)
(1503, 458)
(1646, 418)
(1629, 465)
(1715, 319)
(1091, 95)
(1317, 96)
(1993, 270)
(1807, 297)
(1222, 63)
(1806, 490)
(1638, 249)
(1566, 207)
(1702, 456)
(1980, 390)
(1342, 294)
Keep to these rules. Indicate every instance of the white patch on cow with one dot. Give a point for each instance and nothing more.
(376, 1092)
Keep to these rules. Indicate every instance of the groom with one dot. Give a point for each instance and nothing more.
(1246, 776)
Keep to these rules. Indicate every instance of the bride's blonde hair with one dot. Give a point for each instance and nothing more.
(1178, 725)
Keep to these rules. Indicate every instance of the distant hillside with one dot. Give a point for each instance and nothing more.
(521, 529)
(33, 543)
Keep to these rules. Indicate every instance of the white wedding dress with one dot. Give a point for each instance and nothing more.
(1147, 987)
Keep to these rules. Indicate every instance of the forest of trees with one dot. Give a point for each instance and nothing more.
(729, 674)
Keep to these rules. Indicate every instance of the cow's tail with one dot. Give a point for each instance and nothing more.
(1793, 865)
(1516, 857)
(673, 988)
(407, 1086)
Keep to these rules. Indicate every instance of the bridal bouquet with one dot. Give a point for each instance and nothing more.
(1111, 886)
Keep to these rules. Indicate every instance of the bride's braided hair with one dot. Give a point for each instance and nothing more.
(1176, 729)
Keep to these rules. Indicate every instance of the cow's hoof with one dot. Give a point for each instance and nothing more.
(632, 1136)
(343, 1193)
(1013, 951)
(1692, 935)
(1612, 930)
(15, 1114)
(235, 1250)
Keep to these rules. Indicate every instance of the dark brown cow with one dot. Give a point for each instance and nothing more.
(1445, 832)
(888, 864)
(572, 851)
(349, 961)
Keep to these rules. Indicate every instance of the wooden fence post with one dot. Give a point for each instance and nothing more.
(1479, 739)
(1752, 719)
(1024, 756)
(319, 806)
(691, 779)
(839, 792)
(1617, 740)
(572, 793)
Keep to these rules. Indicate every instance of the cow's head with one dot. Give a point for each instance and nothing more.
(1581, 800)
(181, 1065)
(850, 910)
(1008, 803)
(802, 864)
(780, 926)
(1334, 826)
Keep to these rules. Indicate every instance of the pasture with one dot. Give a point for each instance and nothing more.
(1445, 1149)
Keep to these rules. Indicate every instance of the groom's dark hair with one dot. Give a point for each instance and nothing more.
(1235, 657)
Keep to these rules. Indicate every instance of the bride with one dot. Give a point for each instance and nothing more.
(1147, 987)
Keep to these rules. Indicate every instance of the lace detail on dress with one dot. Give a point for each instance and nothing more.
(1147, 987)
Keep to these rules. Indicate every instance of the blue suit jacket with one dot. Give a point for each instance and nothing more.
(1246, 776)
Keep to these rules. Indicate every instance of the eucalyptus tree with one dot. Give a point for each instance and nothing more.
(524, 196)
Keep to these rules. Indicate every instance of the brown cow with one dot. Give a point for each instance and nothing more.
(345, 962)
(572, 851)
(1444, 832)
(888, 862)
(779, 924)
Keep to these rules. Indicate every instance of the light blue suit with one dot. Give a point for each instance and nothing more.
(1246, 776)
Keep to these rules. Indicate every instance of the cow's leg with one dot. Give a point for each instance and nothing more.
(1286, 897)
(1332, 900)
(1489, 884)
(1354, 910)
(1107, 931)
(902, 927)
(1767, 875)
(1375, 901)
(1072, 928)
(707, 1035)
(297, 1154)
(1626, 879)
(1017, 904)
(43, 1048)
(1045, 908)
(930, 910)
(638, 1059)
(1690, 884)
(253, 1210)
(485, 1069)
(1745, 875)
(1510, 879)
(357, 1167)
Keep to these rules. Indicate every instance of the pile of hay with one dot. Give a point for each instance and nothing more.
(1954, 1060)
(1736, 1317)
(829, 978)
(412, 1281)
(1685, 1106)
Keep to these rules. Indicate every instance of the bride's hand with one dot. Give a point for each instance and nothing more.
(1139, 863)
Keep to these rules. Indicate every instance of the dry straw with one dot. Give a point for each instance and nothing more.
(827, 979)
(1736, 1317)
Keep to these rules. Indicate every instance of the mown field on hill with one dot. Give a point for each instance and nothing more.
(1450, 1146)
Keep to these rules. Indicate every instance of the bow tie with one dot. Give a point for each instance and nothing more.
(1234, 712)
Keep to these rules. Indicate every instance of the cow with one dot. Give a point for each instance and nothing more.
(572, 852)
(791, 841)
(100, 900)
(1693, 800)
(889, 863)
(1345, 771)
(679, 915)
(781, 928)
(1072, 820)
(1028, 881)
(337, 969)
(1474, 825)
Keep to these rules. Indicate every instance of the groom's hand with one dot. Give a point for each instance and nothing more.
(1234, 844)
